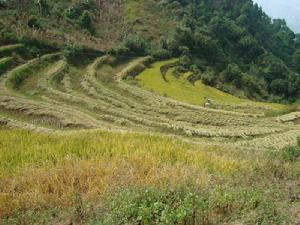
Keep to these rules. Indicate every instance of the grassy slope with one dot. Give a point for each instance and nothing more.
(91, 177)
(131, 8)
(181, 89)
(58, 179)
(115, 18)
(148, 18)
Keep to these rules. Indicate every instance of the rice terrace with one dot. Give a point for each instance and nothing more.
(116, 112)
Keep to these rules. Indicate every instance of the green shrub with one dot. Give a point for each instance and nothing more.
(80, 14)
(34, 22)
(291, 154)
(208, 77)
(160, 53)
(185, 61)
(132, 44)
(73, 12)
(154, 206)
(85, 21)
(181, 205)
(73, 53)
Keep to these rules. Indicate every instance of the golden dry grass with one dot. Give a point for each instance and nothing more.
(38, 170)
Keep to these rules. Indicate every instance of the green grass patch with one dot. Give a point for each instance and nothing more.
(22, 148)
(182, 90)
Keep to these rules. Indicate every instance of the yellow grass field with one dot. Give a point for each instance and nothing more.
(182, 90)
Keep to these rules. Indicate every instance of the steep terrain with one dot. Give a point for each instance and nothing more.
(96, 144)
(231, 45)
(104, 116)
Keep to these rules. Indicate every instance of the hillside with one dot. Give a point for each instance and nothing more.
(103, 114)
(231, 45)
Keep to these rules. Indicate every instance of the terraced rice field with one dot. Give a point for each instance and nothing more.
(49, 95)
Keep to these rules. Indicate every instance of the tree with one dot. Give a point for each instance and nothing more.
(233, 74)
(85, 21)
(296, 60)
(34, 22)
(72, 53)
(208, 77)
(279, 87)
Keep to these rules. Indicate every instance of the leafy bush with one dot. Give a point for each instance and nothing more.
(80, 14)
(133, 44)
(279, 86)
(72, 53)
(185, 61)
(208, 77)
(180, 205)
(233, 73)
(291, 154)
(153, 206)
(73, 12)
(34, 22)
(85, 21)
(136, 44)
(160, 53)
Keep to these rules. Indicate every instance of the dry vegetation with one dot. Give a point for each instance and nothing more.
(80, 176)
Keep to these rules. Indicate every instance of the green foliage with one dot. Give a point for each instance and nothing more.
(73, 53)
(133, 44)
(3, 4)
(80, 14)
(185, 61)
(233, 74)
(208, 77)
(42, 6)
(252, 85)
(232, 38)
(296, 60)
(85, 21)
(178, 206)
(217, 33)
(291, 154)
(34, 22)
(279, 86)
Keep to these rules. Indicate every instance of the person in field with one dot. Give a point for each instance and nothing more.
(207, 102)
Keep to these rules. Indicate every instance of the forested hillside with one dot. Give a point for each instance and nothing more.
(232, 45)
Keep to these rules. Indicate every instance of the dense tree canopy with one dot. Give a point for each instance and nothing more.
(241, 44)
